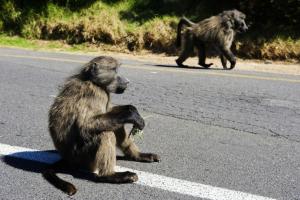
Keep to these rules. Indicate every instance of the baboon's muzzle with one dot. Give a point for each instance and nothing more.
(243, 28)
(122, 84)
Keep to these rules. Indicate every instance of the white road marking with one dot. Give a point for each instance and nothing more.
(148, 116)
(145, 178)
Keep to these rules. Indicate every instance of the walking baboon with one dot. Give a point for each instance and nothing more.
(217, 31)
(86, 129)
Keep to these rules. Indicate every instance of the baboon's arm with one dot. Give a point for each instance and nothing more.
(116, 118)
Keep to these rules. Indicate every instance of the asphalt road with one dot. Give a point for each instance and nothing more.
(238, 130)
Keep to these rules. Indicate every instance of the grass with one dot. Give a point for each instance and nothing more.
(16, 41)
(58, 45)
(20, 42)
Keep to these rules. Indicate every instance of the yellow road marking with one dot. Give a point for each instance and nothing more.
(165, 69)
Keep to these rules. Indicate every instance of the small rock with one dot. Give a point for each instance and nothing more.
(268, 62)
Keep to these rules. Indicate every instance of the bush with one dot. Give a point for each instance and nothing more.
(274, 16)
(151, 25)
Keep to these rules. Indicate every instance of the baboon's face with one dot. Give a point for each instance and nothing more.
(103, 71)
(237, 20)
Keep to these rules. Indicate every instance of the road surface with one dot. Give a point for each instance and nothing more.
(220, 134)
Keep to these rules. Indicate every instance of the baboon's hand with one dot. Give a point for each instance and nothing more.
(132, 116)
(137, 120)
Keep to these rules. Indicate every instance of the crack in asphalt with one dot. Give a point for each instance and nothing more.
(273, 133)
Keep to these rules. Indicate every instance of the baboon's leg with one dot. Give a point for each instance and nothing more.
(105, 162)
(202, 56)
(229, 56)
(223, 61)
(187, 49)
(131, 151)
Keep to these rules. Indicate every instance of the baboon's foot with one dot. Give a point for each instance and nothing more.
(179, 63)
(127, 177)
(224, 66)
(206, 66)
(232, 66)
(118, 177)
(148, 157)
(143, 157)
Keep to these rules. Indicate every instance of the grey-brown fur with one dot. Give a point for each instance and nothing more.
(217, 31)
(86, 129)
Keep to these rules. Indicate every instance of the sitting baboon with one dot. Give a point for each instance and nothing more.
(86, 129)
(217, 31)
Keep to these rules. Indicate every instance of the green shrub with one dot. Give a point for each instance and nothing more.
(9, 14)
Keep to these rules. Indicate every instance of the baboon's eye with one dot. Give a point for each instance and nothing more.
(94, 65)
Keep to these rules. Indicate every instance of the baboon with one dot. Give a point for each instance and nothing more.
(217, 31)
(86, 128)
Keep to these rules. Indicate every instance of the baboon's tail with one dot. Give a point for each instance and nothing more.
(50, 175)
(183, 22)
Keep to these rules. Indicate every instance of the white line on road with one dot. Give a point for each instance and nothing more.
(145, 178)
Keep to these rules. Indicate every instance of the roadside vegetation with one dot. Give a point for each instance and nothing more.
(137, 25)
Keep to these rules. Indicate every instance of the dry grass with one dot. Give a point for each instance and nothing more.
(157, 35)
(160, 35)
(280, 49)
(276, 49)
(105, 27)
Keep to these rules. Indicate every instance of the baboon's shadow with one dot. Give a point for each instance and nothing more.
(27, 160)
(37, 162)
(187, 67)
